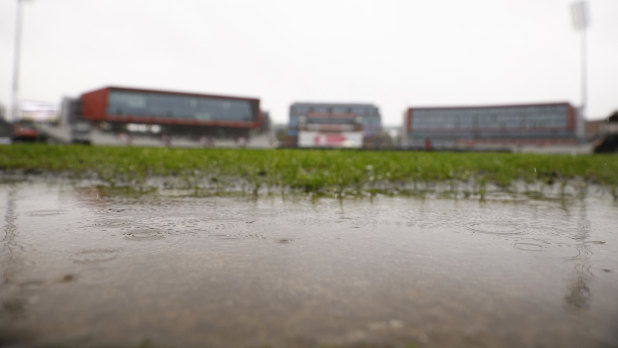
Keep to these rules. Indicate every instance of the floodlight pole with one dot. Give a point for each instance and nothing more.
(579, 13)
(14, 110)
(584, 77)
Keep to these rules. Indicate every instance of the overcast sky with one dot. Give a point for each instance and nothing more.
(392, 53)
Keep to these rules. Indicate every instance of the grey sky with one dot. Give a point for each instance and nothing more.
(394, 53)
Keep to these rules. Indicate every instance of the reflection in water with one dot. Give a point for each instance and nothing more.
(578, 292)
(9, 261)
(15, 307)
(578, 295)
(9, 244)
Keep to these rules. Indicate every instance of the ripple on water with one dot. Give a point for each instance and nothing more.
(528, 246)
(95, 255)
(50, 212)
(144, 234)
(114, 223)
(227, 229)
(496, 227)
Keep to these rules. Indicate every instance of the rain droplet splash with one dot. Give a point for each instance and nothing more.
(143, 235)
(95, 255)
(46, 212)
(496, 227)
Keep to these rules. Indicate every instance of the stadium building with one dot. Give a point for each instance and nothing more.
(334, 125)
(126, 110)
(492, 127)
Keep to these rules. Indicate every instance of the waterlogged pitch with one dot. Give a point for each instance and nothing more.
(83, 267)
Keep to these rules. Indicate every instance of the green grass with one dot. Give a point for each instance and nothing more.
(326, 172)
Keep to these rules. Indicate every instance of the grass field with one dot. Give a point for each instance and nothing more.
(316, 171)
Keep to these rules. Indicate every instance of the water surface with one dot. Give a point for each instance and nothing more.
(82, 268)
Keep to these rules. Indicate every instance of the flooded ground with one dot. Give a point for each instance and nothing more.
(80, 268)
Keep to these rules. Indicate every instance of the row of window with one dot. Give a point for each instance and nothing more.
(323, 120)
(453, 124)
(489, 134)
(358, 110)
(488, 118)
(367, 120)
(178, 106)
(506, 111)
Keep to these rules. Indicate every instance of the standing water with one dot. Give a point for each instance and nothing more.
(80, 268)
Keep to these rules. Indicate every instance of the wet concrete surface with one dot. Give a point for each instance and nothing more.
(80, 268)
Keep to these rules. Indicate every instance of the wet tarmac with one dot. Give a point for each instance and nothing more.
(82, 268)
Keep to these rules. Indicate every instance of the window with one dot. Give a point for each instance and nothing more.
(339, 110)
(180, 106)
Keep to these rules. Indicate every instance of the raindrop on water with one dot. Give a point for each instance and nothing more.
(95, 255)
(143, 235)
(46, 212)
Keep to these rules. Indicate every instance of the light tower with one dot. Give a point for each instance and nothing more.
(581, 21)
(14, 109)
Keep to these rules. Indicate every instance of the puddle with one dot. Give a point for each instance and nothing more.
(233, 272)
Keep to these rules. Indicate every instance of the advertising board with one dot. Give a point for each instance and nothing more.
(309, 139)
